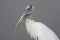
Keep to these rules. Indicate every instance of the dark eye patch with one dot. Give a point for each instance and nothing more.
(29, 9)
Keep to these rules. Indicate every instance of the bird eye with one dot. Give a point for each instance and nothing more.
(28, 8)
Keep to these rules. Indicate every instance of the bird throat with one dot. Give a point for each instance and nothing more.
(31, 16)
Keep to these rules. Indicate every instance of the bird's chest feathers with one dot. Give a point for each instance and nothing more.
(31, 29)
(30, 25)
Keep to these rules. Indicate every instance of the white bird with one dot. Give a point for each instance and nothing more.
(37, 30)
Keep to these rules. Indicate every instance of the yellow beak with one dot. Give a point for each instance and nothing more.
(20, 21)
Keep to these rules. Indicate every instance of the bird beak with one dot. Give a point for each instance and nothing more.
(20, 21)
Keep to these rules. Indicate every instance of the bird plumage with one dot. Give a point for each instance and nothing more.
(40, 30)
(37, 30)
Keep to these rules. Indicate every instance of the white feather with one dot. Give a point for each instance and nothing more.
(40, 30)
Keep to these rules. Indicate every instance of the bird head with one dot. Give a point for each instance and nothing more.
(27, 14)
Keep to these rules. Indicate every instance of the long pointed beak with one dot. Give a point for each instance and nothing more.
(20, 21)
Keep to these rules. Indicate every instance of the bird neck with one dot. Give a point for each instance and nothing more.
(28, 21)
(31, 16)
